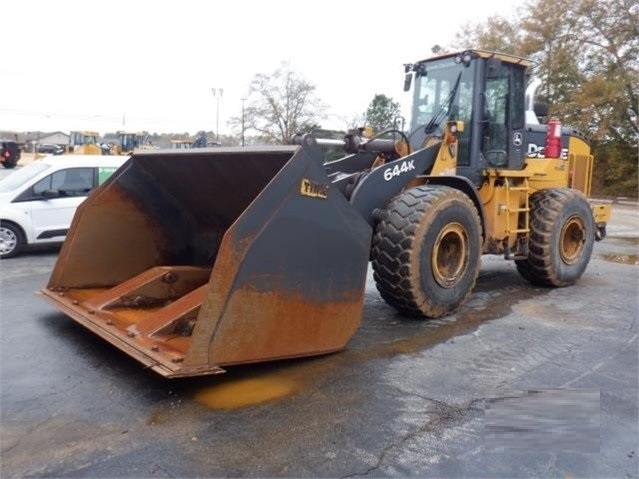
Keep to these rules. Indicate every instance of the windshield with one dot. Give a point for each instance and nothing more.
(20, 177)
(79, 138)
(128, 142)
(438, 80)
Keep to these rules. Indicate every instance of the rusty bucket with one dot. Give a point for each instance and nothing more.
(192, 261)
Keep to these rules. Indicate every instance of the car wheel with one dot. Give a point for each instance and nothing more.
(11, 240)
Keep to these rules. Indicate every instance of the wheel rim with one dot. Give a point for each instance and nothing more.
(8, 240)
(572, 240)
(450, 255)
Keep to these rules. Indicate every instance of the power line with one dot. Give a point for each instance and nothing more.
(60, 116)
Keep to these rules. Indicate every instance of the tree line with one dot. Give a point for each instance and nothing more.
(587, 56)
(586, 52)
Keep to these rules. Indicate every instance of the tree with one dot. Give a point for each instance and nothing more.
(279, 105)
(587, 56)
(383, 113)
(611, 56)
(495, 34)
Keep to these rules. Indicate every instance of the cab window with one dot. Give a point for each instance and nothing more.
(69, 182)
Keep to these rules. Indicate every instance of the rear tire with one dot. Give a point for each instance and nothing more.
(426, 251)
(562, 234)
(10, 164)
(11, 240)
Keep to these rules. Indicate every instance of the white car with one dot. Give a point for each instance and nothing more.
(37, 202)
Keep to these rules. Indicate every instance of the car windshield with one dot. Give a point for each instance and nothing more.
(19, 177)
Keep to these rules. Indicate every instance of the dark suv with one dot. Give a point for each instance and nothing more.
(9, 153)
(50, 148)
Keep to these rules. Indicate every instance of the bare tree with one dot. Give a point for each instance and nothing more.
(281, 104)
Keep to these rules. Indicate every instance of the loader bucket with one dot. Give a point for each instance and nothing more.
(195, 260)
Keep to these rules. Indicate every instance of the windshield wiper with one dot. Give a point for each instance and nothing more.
(444, 109)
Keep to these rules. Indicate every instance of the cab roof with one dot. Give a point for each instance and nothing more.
(505, 57)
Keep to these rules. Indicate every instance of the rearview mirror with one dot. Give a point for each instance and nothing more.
(50, 194)
(408, 79)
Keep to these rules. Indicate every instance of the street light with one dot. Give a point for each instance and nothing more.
(217, 93)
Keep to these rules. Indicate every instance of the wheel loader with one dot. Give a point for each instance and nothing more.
(192, 261)
(129, 142)
(84, 143)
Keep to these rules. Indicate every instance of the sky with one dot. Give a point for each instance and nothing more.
(153, 66)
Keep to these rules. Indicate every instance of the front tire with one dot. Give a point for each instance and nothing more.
(426, 251)
(11, 240)
(562, 235)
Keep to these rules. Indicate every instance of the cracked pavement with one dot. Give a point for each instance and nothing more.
(406, 398)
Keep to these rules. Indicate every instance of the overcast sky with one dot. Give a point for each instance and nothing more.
(89, 65)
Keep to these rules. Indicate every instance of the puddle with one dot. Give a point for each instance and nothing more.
(632, 259)
(257, 384)
(437, 331)
(377, 338)
(243, 392)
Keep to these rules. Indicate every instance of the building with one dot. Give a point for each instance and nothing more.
(57, 138)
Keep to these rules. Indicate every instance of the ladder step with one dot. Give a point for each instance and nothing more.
(525, 208)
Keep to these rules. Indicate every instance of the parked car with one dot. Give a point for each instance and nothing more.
(50, 148)
(37, 202)
(9, 153)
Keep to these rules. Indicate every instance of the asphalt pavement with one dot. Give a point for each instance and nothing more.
(522, 382)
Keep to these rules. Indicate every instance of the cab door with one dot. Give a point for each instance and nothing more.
(54, 200)
(503, 115)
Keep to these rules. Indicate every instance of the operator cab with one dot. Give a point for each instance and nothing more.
(181, 144)
(129, 141)
(81, 138)
(486, 91)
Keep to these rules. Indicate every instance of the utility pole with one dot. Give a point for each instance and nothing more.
(217, 93)
(243, 100)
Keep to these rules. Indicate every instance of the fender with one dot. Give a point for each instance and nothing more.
(463, 184)
(377, 188)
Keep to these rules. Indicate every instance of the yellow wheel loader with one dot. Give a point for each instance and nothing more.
(84, 143)
(191, 261)
(130, 142)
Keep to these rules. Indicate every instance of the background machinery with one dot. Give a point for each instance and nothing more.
(84, 143)
(181, 144)
(227, 265)
(130, 142)
(199, 141)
